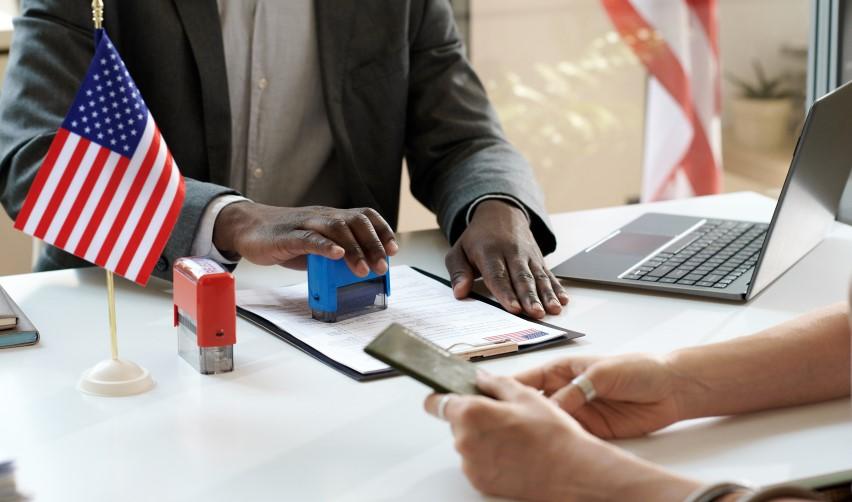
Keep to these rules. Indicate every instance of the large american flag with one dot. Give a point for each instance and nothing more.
(677, 41)
(108, 190)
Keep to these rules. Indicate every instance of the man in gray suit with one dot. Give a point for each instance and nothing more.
(283, 114)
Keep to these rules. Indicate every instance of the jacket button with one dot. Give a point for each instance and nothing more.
(162, 264)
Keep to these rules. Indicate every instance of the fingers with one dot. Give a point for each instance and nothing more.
(551, 292)
(524, 285)
(338, 230)
(433, 402)
(461, 273)
(383, 230)
(356, 232)
(570, 398)
(302, 242)
(552, 377)
(519, 283)
(454, 408)
(601, 376)
(539, 290)
(496, 276)
(545, 289)
(500, 387)
(536, 378)
(363, 230)
(560, 291)
(464, 411)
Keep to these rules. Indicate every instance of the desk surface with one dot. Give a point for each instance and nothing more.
(283, 426)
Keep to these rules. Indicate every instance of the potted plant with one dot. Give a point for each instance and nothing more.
(761, 113)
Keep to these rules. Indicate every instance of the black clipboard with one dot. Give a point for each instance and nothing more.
(264, 324)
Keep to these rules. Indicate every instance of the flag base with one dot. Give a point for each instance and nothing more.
(114, 378)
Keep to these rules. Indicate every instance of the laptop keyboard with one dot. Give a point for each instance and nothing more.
(713, 256)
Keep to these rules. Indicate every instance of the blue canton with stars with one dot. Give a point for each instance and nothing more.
(108, 109)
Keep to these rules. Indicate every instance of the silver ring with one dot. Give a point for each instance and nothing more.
(442, 406)
(585, 385)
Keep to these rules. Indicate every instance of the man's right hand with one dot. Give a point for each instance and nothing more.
(268, 235)
(636, 394)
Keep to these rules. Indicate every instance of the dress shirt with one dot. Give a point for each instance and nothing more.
(281, 146)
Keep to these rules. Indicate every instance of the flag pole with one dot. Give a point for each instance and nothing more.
(98, 19)
(113, 338)
(114, 376)
(98, 13)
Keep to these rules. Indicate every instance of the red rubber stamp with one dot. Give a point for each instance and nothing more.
(205, 314)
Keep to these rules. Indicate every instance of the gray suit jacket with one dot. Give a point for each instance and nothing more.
(395, 80)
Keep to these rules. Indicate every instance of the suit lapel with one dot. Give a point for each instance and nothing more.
(200, 19)
(334, 29)
(335, 22)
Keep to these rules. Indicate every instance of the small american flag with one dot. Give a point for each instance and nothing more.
(517, 336)
(108, 190)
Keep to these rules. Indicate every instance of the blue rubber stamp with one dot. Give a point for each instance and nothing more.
(335, 293)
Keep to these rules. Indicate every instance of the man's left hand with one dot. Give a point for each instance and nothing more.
(499, 246)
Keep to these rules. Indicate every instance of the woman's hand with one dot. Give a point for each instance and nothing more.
(522, 446)
(636, 394)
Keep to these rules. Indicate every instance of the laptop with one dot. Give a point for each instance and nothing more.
(729, 259)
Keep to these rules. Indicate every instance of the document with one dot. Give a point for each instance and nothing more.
(418, 302)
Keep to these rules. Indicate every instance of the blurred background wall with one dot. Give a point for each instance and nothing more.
(571, 95)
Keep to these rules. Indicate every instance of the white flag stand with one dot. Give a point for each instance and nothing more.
(114, 376)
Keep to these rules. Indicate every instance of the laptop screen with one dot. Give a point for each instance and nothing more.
(808, 204)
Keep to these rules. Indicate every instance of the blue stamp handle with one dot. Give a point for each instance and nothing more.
(326, 276)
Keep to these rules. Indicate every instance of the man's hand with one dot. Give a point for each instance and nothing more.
(520, 445)
(636, 394)
(499, 246)
(269, 235)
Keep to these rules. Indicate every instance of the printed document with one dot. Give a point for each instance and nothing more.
(418, 302)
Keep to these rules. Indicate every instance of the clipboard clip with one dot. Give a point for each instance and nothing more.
(472, 351)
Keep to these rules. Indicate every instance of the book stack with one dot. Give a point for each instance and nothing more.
(8, 317)
(15, 329)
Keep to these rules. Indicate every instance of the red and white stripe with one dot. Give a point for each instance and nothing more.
(114, 211)
(677, 42)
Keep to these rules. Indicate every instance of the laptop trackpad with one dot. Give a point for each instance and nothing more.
(632, 243)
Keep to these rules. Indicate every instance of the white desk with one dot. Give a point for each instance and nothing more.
(284, 426)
